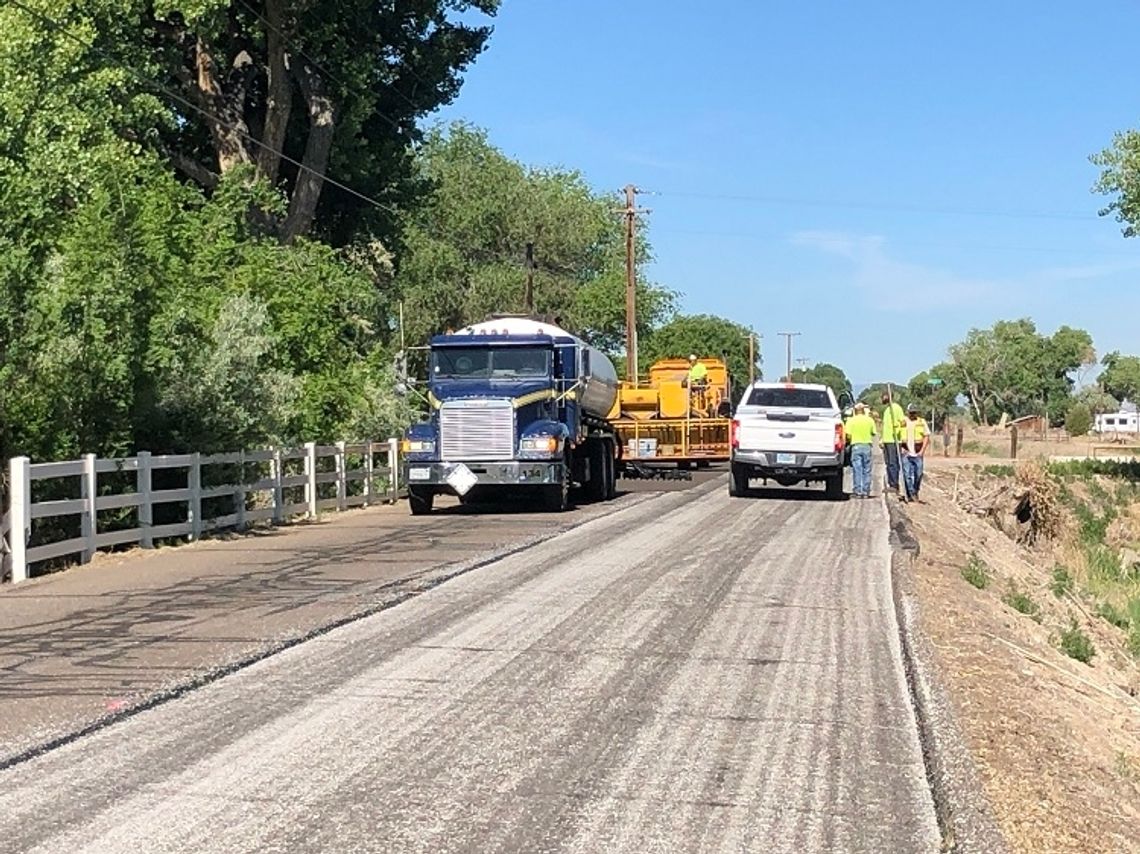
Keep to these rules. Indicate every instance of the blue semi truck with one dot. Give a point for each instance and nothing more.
(515, 404)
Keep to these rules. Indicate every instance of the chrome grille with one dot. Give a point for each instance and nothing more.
(477, 430)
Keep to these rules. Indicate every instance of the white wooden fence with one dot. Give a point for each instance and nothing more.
(377, 483)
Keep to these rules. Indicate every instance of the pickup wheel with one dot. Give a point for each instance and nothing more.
(738, 482)
(835, 487)
(420, 502)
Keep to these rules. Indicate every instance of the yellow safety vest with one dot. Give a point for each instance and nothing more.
(860, 429)
(698, 372)
(893, 418)
(913, 431)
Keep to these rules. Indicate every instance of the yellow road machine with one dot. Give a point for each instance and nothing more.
(669, 420)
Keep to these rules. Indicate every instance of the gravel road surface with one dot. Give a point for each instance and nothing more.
(690, 673)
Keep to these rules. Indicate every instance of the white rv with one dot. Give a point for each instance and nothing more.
(1113, 423)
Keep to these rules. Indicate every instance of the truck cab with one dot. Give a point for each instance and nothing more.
(513, 407)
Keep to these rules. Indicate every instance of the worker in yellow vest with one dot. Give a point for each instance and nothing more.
(893, 416)
(859, 431)
(913, 438)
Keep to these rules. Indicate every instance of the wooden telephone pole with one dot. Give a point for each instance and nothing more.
(789, 336)
(630, 211)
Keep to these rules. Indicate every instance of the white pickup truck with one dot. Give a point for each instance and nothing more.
(787, 432)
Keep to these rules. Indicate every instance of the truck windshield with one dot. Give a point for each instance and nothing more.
(790, 398)
(486, 363)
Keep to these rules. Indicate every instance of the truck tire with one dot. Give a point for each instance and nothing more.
(611, 470)
(556, 496)
(420, 502)
(835, 487)
(737, 482)
(597, 486)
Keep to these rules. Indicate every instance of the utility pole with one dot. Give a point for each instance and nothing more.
(529, 297)
(789, 336)
(630, 211)
(752, 357)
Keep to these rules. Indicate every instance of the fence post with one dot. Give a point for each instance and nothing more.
(20, 491)
(1013, 442)
(311, 478)
(368, 468)
(194, 482)
(89, 492)
(341, 477)
(394, 469)
(959, 436)
(278, 492)
(146, 509)
(239, 494)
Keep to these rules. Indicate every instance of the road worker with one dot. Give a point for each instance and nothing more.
(698, 373)
(859, 431)
(893, 418)
(913, 440)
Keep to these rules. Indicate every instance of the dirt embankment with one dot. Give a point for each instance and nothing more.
(1033, 605)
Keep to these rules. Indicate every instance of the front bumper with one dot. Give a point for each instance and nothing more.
(495, 473)
(774, 463)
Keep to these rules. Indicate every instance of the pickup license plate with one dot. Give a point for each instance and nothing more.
(419, 474)
(785, 459)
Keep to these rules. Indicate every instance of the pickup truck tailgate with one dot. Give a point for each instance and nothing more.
(809, 432)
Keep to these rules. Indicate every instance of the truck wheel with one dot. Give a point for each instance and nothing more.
(611, 471)
(835, 487)
(556, 496)
(598, 484)
(738, 482)
(420, 502)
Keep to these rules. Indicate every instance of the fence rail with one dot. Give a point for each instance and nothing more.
(322, 487)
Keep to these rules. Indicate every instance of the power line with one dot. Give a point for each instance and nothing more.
(60, 28)
(875, 206)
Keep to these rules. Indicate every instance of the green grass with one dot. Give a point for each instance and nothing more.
(973, 446)
(1083, 469)
(1062, 582)
(1022, 603)
(1076, 644)
(1113, 615)
(976, 572)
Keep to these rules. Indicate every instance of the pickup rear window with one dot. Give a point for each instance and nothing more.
(790, 398)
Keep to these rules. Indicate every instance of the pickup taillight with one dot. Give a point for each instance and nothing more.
(734, 434)
(839, 438)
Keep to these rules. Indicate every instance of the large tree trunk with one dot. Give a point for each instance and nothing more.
(279, 100)
(310, 178)
(225, 120)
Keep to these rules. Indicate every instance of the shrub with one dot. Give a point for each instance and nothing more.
(1062, 582)
(1111, 614)
(1078, 420)
(1076, 644)
(1022, 603)
(976, 572)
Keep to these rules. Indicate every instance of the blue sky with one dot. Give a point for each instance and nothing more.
(879, 177)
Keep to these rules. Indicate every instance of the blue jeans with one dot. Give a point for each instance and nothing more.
(891, 458)
(912, 474)
(861, 468)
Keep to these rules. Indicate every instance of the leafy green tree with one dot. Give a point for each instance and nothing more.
(1120, 179)
(1121, 376)
(1078, 420)
(1012, 368)
(464, 246)
(706, 336)
(827, 374)
(1097, 400)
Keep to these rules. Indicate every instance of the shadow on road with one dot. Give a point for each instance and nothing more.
(788, 493)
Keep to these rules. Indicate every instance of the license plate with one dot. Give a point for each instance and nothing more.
(785, 459)
(419, 474)
(461, 479)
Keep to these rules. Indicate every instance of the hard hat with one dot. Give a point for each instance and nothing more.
(860, 405)
(692, 357)
(912, 407)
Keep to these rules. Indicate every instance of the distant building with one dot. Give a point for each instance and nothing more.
(1127, 420)
(1030, 424)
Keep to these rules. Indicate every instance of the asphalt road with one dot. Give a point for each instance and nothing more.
(690, 673)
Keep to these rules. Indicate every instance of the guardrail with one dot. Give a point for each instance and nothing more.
(266, 497)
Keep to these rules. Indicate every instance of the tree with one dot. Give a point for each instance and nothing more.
(464, 245)
(825, 374)
(227, 84)
(1014, 369)
(872, 395)
(1120, 179)
(706, 336)
(1078, 420)
(1121, 377)
(1097, 400)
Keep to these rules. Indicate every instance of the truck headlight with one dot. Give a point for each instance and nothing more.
(539, 445)
(418, 446)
